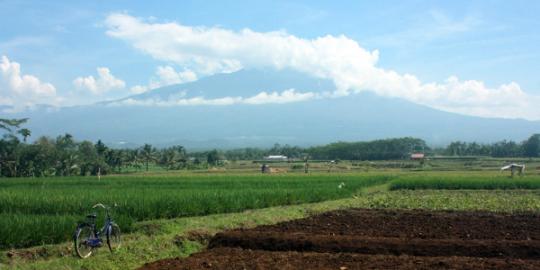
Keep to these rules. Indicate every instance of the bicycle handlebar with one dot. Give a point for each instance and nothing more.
(103, 206)
(99, 205)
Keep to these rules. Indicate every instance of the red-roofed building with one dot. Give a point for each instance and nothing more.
(417, 156)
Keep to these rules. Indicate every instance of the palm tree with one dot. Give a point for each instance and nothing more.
(168, 158)
(25, 133)
(148, 153)
(8, 124)
(132, 158)
(173, 157)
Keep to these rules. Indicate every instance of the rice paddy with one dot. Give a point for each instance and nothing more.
(43, 211)
(457, 181)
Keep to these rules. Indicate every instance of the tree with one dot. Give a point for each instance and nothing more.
(531, 147)
(45, 161)
(386, 149)
(115, 159)
(212, 157)
(101, 150)
(66, 155)
(132, 158)
(173, 157)
(10, 124)
(25, 133)
(89, 157)
(9, 155)
(148, 154)
(456, 148)
(506, 149)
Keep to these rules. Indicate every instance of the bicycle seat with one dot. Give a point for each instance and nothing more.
(91, 216)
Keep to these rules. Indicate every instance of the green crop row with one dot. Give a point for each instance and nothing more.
(465, 182)
(42, 211)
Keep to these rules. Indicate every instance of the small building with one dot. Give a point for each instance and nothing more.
(276, 158)
(417, 156)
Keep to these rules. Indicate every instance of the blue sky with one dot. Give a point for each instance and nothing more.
(494, 42)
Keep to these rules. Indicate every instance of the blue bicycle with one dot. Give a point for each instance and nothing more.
(87, 237)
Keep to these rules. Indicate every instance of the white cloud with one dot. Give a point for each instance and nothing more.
(166, 75)
(352, 68)
(138, 89)
(179, 102)
(286, 96)
(21, 91)
(105, 82)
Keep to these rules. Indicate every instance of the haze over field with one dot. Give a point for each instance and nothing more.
(245, 74)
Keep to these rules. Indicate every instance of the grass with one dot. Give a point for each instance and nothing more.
(157, 211)
(156, 239)
(45, 211)
(456, 181)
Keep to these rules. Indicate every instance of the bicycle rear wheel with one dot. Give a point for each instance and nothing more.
(83, 234)
(113, 237)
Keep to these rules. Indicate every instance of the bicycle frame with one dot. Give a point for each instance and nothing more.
(88, 237)
(96, 241)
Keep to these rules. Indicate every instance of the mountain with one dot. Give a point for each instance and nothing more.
(318, 121)
(242, 83)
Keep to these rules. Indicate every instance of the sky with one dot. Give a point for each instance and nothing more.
(470, 57)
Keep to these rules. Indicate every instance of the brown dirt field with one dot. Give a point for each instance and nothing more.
(415, 224)
(383, 246)
(376, 239)
(237, 258)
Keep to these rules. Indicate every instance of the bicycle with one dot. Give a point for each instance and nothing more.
(87, 237)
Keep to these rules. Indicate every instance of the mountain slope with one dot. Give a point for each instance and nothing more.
(356, 117)
(244, 83)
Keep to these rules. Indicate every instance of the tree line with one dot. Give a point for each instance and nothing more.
(527, 148)
(397, 148)
(64, 156)
(250, 153)
(385, 149)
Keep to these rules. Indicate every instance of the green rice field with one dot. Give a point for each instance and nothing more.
(466, 181)
(37, 211)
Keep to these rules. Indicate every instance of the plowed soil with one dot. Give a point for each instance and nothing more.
(376, 239)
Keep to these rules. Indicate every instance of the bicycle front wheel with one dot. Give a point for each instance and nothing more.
(83, 236)
(113, 237)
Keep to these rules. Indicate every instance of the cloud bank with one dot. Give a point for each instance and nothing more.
(166, 75)
(19, 91)
(353, 69)
(287, 96)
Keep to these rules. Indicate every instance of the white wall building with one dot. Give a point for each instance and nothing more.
(276, 158)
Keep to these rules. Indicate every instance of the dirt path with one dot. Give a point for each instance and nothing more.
(360, 239)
